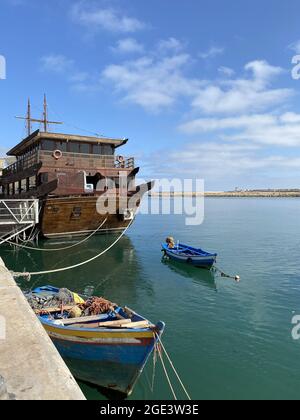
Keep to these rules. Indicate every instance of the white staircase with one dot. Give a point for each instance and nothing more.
(16, 216)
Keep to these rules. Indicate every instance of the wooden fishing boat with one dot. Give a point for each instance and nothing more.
(187, 254)
(108, 350)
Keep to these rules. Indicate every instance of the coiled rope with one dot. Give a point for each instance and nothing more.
(58, 249)
(59, 270)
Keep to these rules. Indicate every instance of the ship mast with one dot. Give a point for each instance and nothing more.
(44, 121)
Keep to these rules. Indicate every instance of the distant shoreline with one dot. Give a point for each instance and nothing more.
(233, 194)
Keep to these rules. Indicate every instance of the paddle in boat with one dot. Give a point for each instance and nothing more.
(187, 254)
(102, 343)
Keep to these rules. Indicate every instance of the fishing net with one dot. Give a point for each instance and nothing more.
(39, 301)
(97, 306)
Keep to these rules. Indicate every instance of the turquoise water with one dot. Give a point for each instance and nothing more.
(227, 340)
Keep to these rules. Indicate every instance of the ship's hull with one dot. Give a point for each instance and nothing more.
(79, 216)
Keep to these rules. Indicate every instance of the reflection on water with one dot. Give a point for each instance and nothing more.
(232, 344)
(105, 276)
(198, 275)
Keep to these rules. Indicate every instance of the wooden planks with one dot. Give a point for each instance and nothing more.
(108, 324)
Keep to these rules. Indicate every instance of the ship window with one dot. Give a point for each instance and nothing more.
(85, 148)
(48, 145)
(74, 147)
(76, 213)
(42, 178)
(16, 187)
(97, 149)
(107, 150)
(32, 183)
(23, 185)
(61, 145)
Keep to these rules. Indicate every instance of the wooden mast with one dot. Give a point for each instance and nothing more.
(44, 121)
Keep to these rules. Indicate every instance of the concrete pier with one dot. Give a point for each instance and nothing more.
(30, 366)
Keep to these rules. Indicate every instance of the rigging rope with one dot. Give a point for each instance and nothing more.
(58, 249)
(59, 270)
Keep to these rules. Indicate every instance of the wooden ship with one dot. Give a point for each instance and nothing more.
(72, 176)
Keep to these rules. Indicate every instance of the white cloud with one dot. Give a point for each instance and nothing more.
(295, 46)
(226, 165)
(217, 124)
(264, 129)
(170, 44)
(128, 45)
(61, 65)
(152, 83)
(93, 16)
(211, 53)
(243, 95)
(56, 63)
(226, 71)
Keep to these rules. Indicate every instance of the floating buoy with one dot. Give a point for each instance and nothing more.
(236, 278)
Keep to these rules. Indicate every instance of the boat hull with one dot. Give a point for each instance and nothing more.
(77, 216)
(202, 261)
(112, 359)
(67, 217)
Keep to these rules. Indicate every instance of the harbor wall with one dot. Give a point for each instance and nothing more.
(233, 194)
(30, 366)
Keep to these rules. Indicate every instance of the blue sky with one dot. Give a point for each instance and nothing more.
(203, 89)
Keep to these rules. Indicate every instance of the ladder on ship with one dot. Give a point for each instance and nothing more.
(16, 217)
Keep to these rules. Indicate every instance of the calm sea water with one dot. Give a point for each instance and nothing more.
(227, 340)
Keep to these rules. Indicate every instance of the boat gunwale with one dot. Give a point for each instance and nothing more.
(200, 252)
(113, 332)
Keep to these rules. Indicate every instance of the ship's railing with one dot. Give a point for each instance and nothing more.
(71, 160)
(85, 161)
(21, 165)
(19, 212)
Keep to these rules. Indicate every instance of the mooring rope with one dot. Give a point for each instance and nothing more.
(167, 375)
(228, 276)
(173, 367)
(59, 249)
(154, 367)
(59, 270)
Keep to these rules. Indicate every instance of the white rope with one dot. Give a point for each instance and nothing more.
(173, 367)
(59, 249)
(154, 367)
(167, 376)
(59, 270)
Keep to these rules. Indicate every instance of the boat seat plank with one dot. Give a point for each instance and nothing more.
(118, 323)
(82, 320)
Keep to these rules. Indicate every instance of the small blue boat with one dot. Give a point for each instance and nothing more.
(109, 350)
(187, 254)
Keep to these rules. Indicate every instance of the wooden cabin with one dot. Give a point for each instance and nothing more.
(61, 164)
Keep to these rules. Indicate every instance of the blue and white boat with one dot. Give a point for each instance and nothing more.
(187, 254)
(109, 350)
